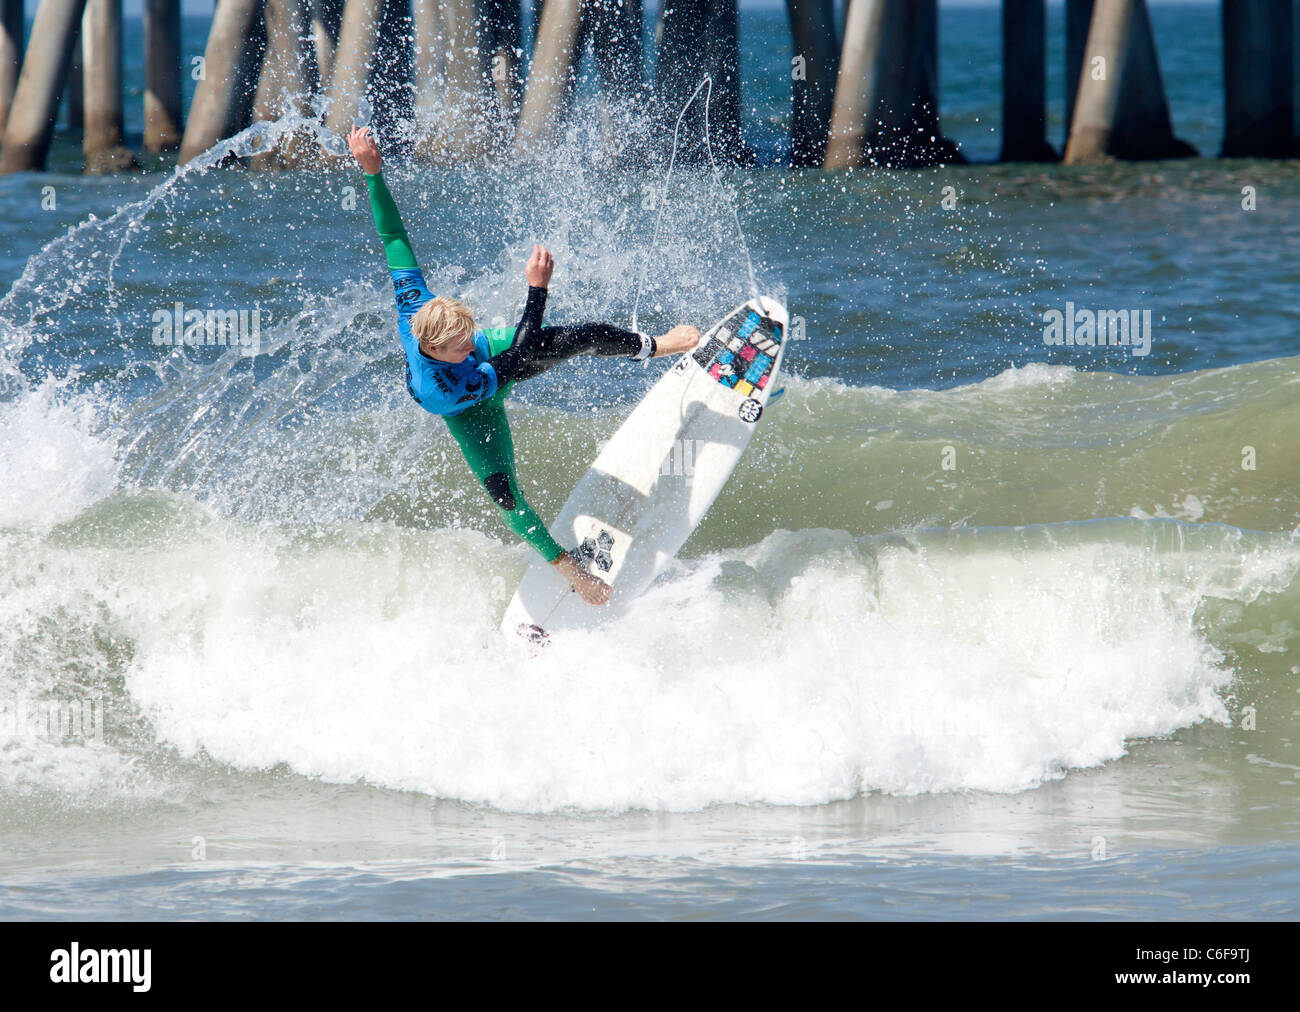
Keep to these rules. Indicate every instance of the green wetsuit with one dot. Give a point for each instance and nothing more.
(470, 395)
(483, 433)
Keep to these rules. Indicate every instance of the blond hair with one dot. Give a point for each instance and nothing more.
(440, 321)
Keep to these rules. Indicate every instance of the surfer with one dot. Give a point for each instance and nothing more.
(465, 373)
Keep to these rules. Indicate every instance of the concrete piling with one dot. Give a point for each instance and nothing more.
(249, 68)
(11, 53)
(460, 117)
(326, 19)
(886, 109)
(1121, 111)
(503, 28)
(74, 88)
(1024, 82)
(1258, 95)
(358, 35)
(871, 28)
(101, 48)
(30, 125)
(430, 57)
(724, 65)
(215, 111)
(919, 138)
(1078, 17)
(285, 82)
(812, 78)
(162, 74)
(556, 54)
(698, 37)
(388, 89)
(614, 27)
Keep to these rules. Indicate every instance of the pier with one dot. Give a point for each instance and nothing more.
(468, 83)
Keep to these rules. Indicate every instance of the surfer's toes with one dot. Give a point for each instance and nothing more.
(595, 591)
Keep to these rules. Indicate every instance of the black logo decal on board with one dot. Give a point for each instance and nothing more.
(595, 552)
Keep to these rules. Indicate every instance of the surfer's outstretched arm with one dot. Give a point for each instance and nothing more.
(388, 221)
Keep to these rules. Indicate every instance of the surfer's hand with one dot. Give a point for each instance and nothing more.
(681, 338)
(365, 150)
(590, 589)
(539, 268)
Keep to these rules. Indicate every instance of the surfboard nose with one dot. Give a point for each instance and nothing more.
(772, 309)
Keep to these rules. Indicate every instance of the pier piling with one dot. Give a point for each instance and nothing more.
(503, 22)
(462, 118)
(812, 78)
(74, 88)
(871, 29)
(215, 109)
(1078, 17)
(11, 54)
(1024, 82)
(388, 89)
(556, 55)
(358, 34)
(615, 32)
(698, 37)
(101, 48)
(886, 108)
(162, 75)
(1120, 110)
(430, 60)
(286, 77)
(30, 125)
(326, 19)
(1258, 96)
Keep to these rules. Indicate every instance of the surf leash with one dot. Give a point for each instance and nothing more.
(705, 85)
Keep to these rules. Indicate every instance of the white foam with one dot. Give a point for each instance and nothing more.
(53, 460)
(88, 775)
(800, 671)
(1034, 374)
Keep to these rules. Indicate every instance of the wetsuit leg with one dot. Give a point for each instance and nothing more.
(484, 437)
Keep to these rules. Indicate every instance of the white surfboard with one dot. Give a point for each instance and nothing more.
(654, 480)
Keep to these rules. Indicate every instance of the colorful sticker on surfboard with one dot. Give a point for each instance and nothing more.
(741, 354)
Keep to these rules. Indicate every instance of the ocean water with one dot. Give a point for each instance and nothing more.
(981, 628)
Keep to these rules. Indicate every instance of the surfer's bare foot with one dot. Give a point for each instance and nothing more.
(681, 338)
(590, 589)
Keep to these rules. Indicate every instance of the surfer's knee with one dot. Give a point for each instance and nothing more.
(498, 487)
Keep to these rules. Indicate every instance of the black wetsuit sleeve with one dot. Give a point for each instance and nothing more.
(511, 364)
(536, 348)
(534, 307)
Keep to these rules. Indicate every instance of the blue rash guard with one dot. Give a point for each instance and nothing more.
(443, 388)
